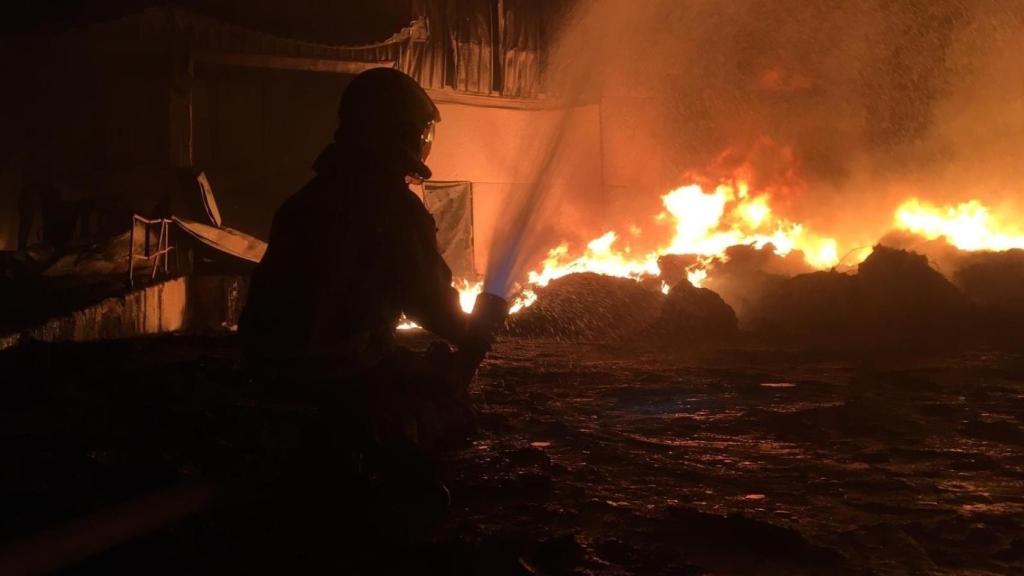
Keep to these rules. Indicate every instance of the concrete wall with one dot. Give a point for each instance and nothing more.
(155, 309)
(193, 303)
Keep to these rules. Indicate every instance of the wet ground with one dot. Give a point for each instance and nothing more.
(744, 462)
(589, 459)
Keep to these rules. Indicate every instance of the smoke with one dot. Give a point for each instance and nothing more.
(859, 104)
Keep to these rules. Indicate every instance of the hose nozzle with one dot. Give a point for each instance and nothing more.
(488, 317)
(489, 314)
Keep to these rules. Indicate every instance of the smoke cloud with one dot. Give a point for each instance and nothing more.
(852, 107)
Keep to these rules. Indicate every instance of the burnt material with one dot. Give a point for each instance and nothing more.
(695, 314)
(588, 307)
(994, 283)
(896, 297)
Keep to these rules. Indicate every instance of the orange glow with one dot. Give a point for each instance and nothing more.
(968, 226)
(600, 257)
(406, 325)
(703, 223)
(468, 292)
(697, 276)
(706, 223)
(525, 298)
(467, 300)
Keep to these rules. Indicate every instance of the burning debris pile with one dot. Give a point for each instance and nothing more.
(593, 307)
(691, 314)
(783, 144)
(928, 283)
(743, 274)
(993, 283)
(895, 297)
(733, 251)
(588, 306)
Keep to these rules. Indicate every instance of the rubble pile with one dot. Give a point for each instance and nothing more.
(675, 266)
(808, 305)
(746, 273)
(895, 297)
(899, 290)
(695, 314)
(588, 306)
(993, 283)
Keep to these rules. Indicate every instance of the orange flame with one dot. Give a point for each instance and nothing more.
(704, 224)
(967, 226)
(468, 292)
(467, 300)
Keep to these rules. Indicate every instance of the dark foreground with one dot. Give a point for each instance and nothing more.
(588, 461)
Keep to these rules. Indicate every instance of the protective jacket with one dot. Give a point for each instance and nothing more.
(349, 254)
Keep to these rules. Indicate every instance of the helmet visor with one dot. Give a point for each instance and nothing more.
(427, 140)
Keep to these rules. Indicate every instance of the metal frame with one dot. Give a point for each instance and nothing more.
(163, 247)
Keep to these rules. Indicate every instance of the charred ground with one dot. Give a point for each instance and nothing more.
(590, 459)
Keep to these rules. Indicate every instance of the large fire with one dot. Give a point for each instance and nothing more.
(968, 226)
(704, 223)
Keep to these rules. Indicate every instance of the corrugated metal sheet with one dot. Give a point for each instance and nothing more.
(490, 47)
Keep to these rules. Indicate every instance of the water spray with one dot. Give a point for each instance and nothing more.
(506, 260)
(517, 239)
(507, 253)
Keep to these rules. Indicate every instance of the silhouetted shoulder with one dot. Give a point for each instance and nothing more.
(312, 204)
(411, 205)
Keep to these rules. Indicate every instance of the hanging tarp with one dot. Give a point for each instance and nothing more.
(451, 204)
